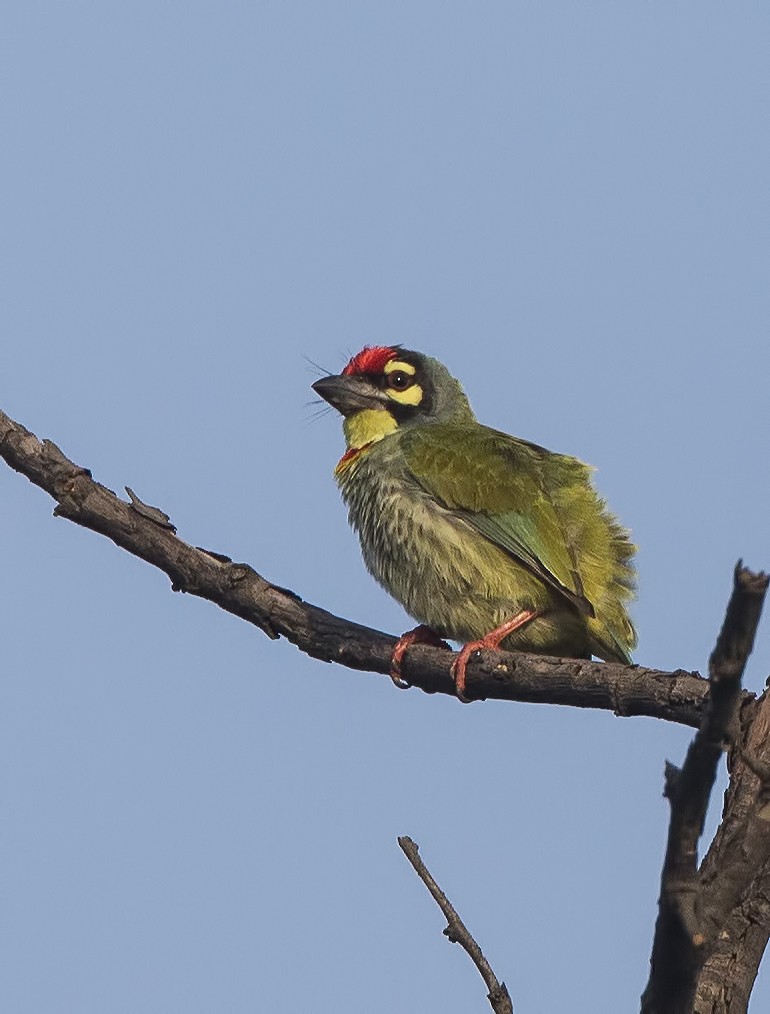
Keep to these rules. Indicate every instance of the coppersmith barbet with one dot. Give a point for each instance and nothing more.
(482, 537)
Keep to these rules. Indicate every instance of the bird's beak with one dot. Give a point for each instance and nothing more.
(350, 394)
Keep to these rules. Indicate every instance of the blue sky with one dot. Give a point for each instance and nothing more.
(566, 203)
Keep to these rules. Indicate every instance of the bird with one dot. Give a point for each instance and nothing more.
(486, 539)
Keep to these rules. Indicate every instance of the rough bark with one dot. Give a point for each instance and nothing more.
(726, 980)
(735, 873)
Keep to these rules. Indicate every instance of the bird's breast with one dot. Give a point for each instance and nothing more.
(442, 571)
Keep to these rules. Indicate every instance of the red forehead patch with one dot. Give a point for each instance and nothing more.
(371, 359)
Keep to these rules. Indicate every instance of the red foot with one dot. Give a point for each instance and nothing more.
(491, 640)
(420, 635)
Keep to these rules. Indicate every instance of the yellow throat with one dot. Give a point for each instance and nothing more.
(361, 430)
(367, 426)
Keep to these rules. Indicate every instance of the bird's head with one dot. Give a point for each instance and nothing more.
(385, 387)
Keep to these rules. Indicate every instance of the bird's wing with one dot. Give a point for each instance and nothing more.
(517, 495)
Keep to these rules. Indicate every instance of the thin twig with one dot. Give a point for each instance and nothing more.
(457, 932)
(682, 940)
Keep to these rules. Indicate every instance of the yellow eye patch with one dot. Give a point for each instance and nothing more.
(395, 366)
(411, 396)
(401, 387)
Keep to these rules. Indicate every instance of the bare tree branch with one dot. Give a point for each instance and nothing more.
(727, 977)
(457, 932)
(682, 936)
(734, 898)
(147, 533)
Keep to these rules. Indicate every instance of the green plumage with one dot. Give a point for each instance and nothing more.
(467, 526)
(539, 508)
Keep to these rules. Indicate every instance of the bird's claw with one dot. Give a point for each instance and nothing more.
(399, 682)
(420, 635)
(458, 669)
(491, 641)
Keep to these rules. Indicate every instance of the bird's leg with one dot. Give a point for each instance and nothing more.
(491, 640)
(420, 635)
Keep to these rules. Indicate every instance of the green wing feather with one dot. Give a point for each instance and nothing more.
(541, 508)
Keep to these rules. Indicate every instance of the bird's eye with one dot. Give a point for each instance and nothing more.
(399, 380)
